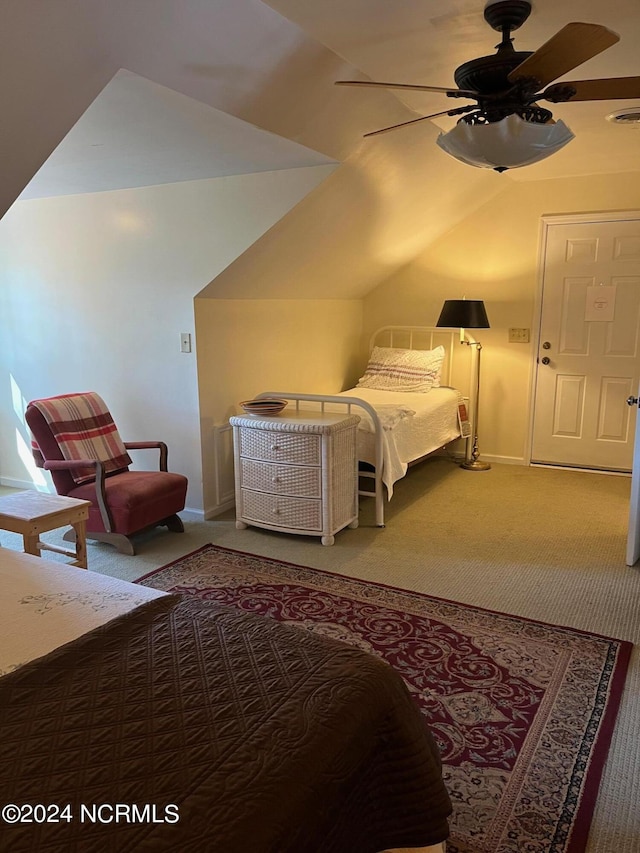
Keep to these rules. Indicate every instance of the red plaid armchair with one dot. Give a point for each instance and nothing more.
(75, 438)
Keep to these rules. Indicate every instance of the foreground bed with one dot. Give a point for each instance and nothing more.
(399, 426)
(209, 729)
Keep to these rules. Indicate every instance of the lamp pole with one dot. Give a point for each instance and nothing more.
(472, 462)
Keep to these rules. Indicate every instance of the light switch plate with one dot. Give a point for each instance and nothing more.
(185, 342)
(519, 336)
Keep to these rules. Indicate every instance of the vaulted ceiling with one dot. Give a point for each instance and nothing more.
(266, 72)
(137, 133)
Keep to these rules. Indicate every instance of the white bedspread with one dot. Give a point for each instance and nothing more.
(413, 425)
(45, 604)
(389, 415)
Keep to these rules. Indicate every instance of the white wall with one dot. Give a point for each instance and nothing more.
(247, 346)
(95, 290)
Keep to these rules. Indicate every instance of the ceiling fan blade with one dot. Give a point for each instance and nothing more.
(415, 120)
(454, 93)
(567, 49)
(595, 90)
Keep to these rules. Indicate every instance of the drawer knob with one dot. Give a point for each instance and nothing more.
(275, 480)
(276, 511)
(275, 447)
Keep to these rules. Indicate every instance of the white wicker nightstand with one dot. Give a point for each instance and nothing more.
(296, 473)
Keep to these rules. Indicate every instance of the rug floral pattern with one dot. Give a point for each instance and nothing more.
(521, 711)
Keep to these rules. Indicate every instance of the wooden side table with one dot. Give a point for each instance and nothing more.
(32, 513)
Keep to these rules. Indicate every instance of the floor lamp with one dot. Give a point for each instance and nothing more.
(468, 314)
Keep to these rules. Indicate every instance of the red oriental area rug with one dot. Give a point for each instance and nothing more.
(522, 712)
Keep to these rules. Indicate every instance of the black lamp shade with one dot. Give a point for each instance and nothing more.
(463, 314)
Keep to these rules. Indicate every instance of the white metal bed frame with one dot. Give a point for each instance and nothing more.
(405, 337)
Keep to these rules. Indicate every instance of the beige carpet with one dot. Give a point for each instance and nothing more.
(542, 543)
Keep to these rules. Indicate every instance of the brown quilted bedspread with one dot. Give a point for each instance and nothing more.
(260, 736)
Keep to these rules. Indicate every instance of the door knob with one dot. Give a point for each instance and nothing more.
(546, 360)
(546, 345)
(632, 401)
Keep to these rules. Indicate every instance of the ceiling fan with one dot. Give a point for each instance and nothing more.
(511, 83)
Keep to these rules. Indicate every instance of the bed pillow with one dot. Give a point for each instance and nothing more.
(392, 369)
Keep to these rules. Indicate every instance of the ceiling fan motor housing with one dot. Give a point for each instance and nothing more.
(488, 75)
(507, 14)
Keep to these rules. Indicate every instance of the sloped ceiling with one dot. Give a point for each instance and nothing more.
(274, 66)
(375, 213)
(238, 56)
(137, 133)
(398, 192)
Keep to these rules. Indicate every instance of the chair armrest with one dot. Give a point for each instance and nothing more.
(68, 464)
(101, 496)
(151, 445)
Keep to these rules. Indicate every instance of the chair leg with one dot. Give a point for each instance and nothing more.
(173, 523)
(121, 542)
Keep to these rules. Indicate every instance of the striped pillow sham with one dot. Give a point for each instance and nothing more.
(391, 369)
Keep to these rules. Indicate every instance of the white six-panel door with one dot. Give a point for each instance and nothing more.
(589, 347)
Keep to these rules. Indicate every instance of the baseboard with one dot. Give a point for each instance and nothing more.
(499, 460)
(197, 513)
(218, 510)
(12, 483)
(503, 460)
(583, 470)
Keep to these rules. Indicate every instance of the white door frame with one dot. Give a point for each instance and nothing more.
(545, 223)
(633, 527)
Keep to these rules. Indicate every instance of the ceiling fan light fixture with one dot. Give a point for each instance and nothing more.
(506, 144)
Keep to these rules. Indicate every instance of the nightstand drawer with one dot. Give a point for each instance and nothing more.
(281, 479)
(272, 446)
(277, 510)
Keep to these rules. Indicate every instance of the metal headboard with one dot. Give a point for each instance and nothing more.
(457, 368)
